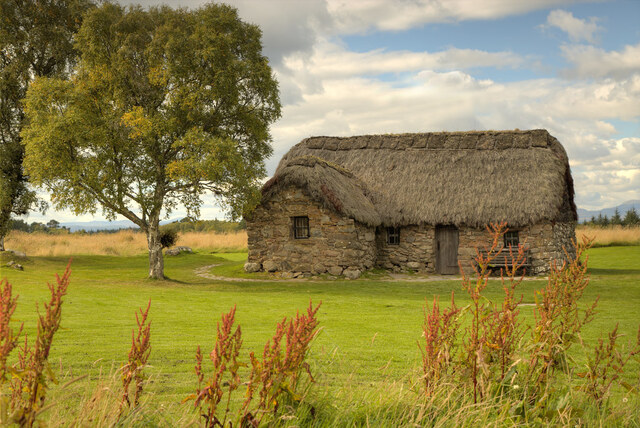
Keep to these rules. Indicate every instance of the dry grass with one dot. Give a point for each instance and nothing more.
(122, 243)
(128, 243)
(610, 236)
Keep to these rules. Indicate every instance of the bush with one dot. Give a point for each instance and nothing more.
(532, 375)
(168, 238)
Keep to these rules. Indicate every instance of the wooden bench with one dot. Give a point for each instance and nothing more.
(503, 259)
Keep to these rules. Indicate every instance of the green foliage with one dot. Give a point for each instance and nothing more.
(36, 40)
(630, 219)
(51, 227)
(164, 106)
(218, 226)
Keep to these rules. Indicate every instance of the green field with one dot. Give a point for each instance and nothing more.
(370, 327)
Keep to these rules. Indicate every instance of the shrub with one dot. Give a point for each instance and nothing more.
(138, 357)
(224, 357)
(168, 238)
(534, 377)
(8, 339)
(275, 378)
(32, 371)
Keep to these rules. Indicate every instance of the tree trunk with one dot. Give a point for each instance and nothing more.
(1, 243)
(156, 262)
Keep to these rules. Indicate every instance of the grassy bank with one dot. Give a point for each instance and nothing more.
(367, 344)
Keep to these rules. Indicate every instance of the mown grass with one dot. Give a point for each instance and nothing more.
(367, 347)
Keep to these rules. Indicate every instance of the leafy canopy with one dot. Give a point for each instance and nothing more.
(36, 39)
(164, 106)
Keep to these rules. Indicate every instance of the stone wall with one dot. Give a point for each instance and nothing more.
(544, 240)
(337, 244)
(550, 242)
(415, 251)
(340, 245)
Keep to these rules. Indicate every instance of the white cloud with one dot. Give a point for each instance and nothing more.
(589, 61)
(361, 15)
(577, 29)
(331, 61)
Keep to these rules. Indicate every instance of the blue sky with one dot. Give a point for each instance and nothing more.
(350, 67)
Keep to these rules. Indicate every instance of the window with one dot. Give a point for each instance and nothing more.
(393, 235)
(511, 239)
(301, 227)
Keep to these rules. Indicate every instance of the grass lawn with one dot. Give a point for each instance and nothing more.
(369, 327)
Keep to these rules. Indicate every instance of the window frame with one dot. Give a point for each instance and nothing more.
(509, 237)
(393, 235)
(300, 226)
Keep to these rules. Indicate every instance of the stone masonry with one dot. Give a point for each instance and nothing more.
(415, 251)
(337, 244)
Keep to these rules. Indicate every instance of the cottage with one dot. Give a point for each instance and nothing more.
(413, 201)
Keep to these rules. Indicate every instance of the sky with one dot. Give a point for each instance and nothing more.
(353, 67)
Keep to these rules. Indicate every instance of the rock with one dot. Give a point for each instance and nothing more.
(351, 273)
(252, 267)
(318, 268)
(297, 274)
(17, 253)
(15, 265)
(287, 275)
(414, 265)
(177, 250)
(335, 270)
(270, 266)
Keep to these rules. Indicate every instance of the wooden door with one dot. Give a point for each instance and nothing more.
(447, 250)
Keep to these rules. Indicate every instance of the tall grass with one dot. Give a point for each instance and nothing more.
(122, 243)
(609, 236)
(129, 243)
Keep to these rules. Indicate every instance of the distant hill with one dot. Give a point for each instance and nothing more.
(622, 209)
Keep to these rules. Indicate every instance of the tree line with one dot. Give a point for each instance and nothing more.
(630, 219)
(181, 226)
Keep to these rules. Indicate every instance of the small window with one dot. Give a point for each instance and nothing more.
(511, 239)
(301, 227)
(393, 235)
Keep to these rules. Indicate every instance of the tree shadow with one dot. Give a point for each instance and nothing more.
(601, 271)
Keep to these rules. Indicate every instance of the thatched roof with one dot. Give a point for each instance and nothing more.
(461, 178)
(334, 187)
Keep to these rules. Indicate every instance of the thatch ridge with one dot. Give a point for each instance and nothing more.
(462, 178)
(331, 185)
